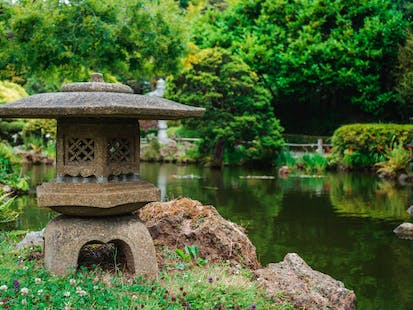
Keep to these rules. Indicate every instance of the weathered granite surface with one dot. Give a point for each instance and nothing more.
(96, 199)
(65, 236)
(184, 221)
(306, 288)
(97, 87)
(97, 104)
(33, 238)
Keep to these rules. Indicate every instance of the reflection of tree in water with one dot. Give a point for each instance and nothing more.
(31, 216)
(368, 196)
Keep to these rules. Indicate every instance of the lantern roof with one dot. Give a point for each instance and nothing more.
(97, 99)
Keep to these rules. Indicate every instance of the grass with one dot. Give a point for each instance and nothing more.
(25, 284)
(307, 162)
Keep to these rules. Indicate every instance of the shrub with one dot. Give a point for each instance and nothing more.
(364, 145)
(397, 161)
(40, 128)
(10, 92)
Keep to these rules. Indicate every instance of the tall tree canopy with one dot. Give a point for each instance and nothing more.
(238, 114)
(55, 40)
(330, 57)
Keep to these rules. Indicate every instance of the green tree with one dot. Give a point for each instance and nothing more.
(405, 75)
(46, 43)
(238, 110)
(331, 57)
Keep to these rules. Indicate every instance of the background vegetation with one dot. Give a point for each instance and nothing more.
(257, 66)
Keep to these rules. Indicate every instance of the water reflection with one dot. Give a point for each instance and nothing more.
(341, 224)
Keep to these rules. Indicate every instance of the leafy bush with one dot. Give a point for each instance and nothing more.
(6, 213)
(363, 145)
(45, 128)
(151, 152)
(10, 92)
(397, 161)
(9, 170)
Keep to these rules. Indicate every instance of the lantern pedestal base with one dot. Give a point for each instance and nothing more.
(66, 235)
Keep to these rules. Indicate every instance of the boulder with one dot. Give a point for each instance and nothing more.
(306, 288)
(32, 238)
(404, 231)
(187, 222)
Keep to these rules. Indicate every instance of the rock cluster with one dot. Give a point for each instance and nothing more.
(404, 231)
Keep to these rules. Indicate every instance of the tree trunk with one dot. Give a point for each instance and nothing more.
(218, 154)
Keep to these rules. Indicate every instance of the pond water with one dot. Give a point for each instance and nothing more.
(340, 224)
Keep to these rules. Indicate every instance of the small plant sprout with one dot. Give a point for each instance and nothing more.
(191, 254)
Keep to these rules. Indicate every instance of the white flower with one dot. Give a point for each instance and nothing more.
(25, 267)
(78, 289)
(67, 306)
(134, 297)
(24, 291)
(24, 301)
(3, 288)
(95, 287)
(72, 282)
(37, 280)
(82, 293)
(39, 292)
(1, 303)
(66, 294)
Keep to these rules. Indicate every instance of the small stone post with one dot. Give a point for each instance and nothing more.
(162, 124)
(320, 149)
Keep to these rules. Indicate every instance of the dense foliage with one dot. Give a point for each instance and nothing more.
(405, 75)
(9, 128)
(332, 60)
(238, 113)
(45, 43)
(363, 145)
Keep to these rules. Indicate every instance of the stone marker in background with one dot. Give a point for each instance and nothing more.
(162, 124)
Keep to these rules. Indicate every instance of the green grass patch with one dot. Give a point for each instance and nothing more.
(25, 284)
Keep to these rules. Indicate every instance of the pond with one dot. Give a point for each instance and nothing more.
(340, 224)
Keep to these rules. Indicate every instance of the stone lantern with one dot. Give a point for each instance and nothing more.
(97, 183)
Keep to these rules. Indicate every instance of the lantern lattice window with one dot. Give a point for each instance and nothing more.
(80, 149)
(119, 150)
